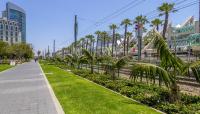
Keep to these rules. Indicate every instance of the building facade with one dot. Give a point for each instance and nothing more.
(9, 31)
(17, 14)
(185, 36)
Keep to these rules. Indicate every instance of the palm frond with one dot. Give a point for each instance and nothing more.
(121, 62)
(87, 54)
(168, 60)
(150, 70)
(195, 67)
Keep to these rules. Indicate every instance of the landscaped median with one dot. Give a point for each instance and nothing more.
(80, 96)
(4, 67)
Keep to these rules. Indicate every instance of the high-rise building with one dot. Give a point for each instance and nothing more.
(17, 14)
(9, 31)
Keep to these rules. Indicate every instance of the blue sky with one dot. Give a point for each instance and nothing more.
(53, 19)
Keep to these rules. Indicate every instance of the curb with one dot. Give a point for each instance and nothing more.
(58, 107)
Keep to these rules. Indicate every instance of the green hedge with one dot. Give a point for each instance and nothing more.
(152, 95)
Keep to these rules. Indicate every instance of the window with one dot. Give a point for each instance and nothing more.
(6, 38)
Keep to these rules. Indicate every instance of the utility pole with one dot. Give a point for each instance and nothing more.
(45, 52)
(75, 33)
(54, 48)
(139, 32)
(48, 53)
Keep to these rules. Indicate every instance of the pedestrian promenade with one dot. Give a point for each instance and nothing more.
(23, 90)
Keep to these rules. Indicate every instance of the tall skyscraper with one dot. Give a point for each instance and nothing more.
(17, 14)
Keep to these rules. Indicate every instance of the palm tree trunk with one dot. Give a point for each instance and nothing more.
(92, 70)
(118, 72)
(97, 43)
(87, 45)
(98, 66)
(115, 47)
(165, 25)
(127, 45)
(101, 48)
(90, 46)
(125, 40)
(93, 48)
(157, 27)
(113, 40)
(104, 44)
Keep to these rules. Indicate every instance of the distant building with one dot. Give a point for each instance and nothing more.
(9, 31)
(184, 36)
(17, 14)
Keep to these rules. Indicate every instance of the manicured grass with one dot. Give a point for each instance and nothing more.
(79, 96)
(4, 67)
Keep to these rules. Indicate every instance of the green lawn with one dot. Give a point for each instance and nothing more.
(4, 67)
(79, 96)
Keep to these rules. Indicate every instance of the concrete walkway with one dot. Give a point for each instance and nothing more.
(23, 90)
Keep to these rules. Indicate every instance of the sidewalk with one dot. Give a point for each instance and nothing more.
(23, 90)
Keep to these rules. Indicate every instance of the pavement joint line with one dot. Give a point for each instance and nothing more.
(57, 104)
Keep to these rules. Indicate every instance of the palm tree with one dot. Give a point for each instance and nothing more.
(82, 40)
(91, 59)
(93, 41)
(170, 66)
(104, 35)
(156, 23)
(129, 35)
(89, 39)
(113, 27)
(126, 23)
(98, 33)
(165, 9)
(111, 65)
(141, 20)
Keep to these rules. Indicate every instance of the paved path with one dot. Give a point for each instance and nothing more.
(23, 90)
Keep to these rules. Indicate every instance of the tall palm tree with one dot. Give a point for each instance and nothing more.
(113, 27)
(89, 41)
(93, 40)
(141, 20)
(165, 9)
(91, 59)
(129, 35)
(82, 40)
(98, 33)
(104, 35)
(126, 23)
(156, 23)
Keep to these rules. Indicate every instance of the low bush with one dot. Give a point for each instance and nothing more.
(152, 95)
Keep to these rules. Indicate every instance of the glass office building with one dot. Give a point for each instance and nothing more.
(15, 13)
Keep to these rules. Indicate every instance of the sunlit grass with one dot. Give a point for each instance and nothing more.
(4, 67)
(79, 96)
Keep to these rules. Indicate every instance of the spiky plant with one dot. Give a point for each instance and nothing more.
(170, 67)
(91, 59)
